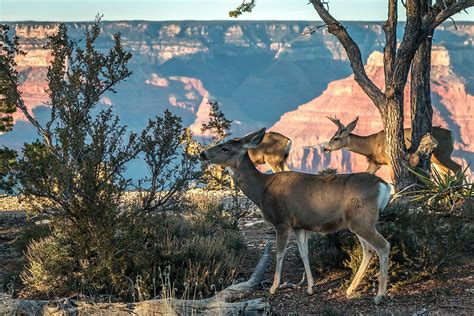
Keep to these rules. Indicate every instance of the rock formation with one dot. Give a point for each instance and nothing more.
(259, 72)
(309, 127)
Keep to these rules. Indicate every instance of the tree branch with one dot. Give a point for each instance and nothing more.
(44, 133)
(410, 43)
(389, 53)
(312, 29)
(353, 53)
(438, 17)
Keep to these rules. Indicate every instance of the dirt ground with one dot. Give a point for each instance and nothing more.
(11, 225)
(451, 293)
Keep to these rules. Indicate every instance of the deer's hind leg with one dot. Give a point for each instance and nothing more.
(373, 239)
(302, 240)
(444, 163)
(366, 256)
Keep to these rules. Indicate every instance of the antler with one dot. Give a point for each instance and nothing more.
(336, 121)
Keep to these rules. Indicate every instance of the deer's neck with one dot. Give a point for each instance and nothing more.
(361, 144)
(252, 182)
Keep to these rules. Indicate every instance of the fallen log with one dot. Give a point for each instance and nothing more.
(225, 302)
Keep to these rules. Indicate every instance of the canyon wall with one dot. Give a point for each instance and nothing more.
(263, 73)
(309, 126)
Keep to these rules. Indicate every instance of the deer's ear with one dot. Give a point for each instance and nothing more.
(252, 140)
(350, 127)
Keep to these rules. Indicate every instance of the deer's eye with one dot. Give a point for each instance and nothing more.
(225, 149)
(335, 138)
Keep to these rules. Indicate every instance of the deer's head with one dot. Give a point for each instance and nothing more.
(340, 138)
(229, 154)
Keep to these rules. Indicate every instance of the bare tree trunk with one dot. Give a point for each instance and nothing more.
(422, 19)
(420, 95)
(395, 146)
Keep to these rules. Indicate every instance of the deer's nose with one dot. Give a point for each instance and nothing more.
(326, 149)
(203, 156)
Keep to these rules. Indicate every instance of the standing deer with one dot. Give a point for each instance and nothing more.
(305, 202)
(373, 146)
(273, 150)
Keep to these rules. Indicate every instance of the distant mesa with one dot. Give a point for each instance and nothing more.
(156, 80)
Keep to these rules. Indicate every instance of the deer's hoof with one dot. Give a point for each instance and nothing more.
(273, 290)
(378, 299)
(310, 291)
(350, 293)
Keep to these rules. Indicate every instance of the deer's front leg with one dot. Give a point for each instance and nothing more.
(282, 234)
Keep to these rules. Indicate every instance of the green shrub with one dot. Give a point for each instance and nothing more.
(32, 231)
(330, 251)
(327, 171)
(442, 190)
(423, 243)
(104, 239)
(218, 128)
(50, 266)
(141, 259)
(7, 163)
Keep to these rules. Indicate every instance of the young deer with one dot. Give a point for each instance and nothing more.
(273, 150)
(306, 202)
(373, 146)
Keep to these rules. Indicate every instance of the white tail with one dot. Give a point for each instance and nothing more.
(305, 202)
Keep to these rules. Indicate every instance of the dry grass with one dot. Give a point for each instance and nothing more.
(199, 197)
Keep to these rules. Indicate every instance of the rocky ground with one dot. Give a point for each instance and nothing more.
(11, 225)
(449, 293)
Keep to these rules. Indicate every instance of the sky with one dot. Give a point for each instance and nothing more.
(159, 10)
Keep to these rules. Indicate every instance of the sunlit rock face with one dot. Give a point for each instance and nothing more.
(310, 128)
(262, 73)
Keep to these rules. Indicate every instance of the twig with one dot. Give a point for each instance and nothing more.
(302, 280)
(454, 22)
(312, 29)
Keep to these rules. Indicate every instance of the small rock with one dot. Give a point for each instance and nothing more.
(424, 311)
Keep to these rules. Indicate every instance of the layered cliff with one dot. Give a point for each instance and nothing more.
(245, 65)
(309, 127)
(260, 72)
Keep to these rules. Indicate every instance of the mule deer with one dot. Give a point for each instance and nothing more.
(306, 202)
(373, 146)
(273, 150)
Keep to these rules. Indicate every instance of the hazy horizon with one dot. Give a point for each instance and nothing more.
(191, 10)
(189, 20)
